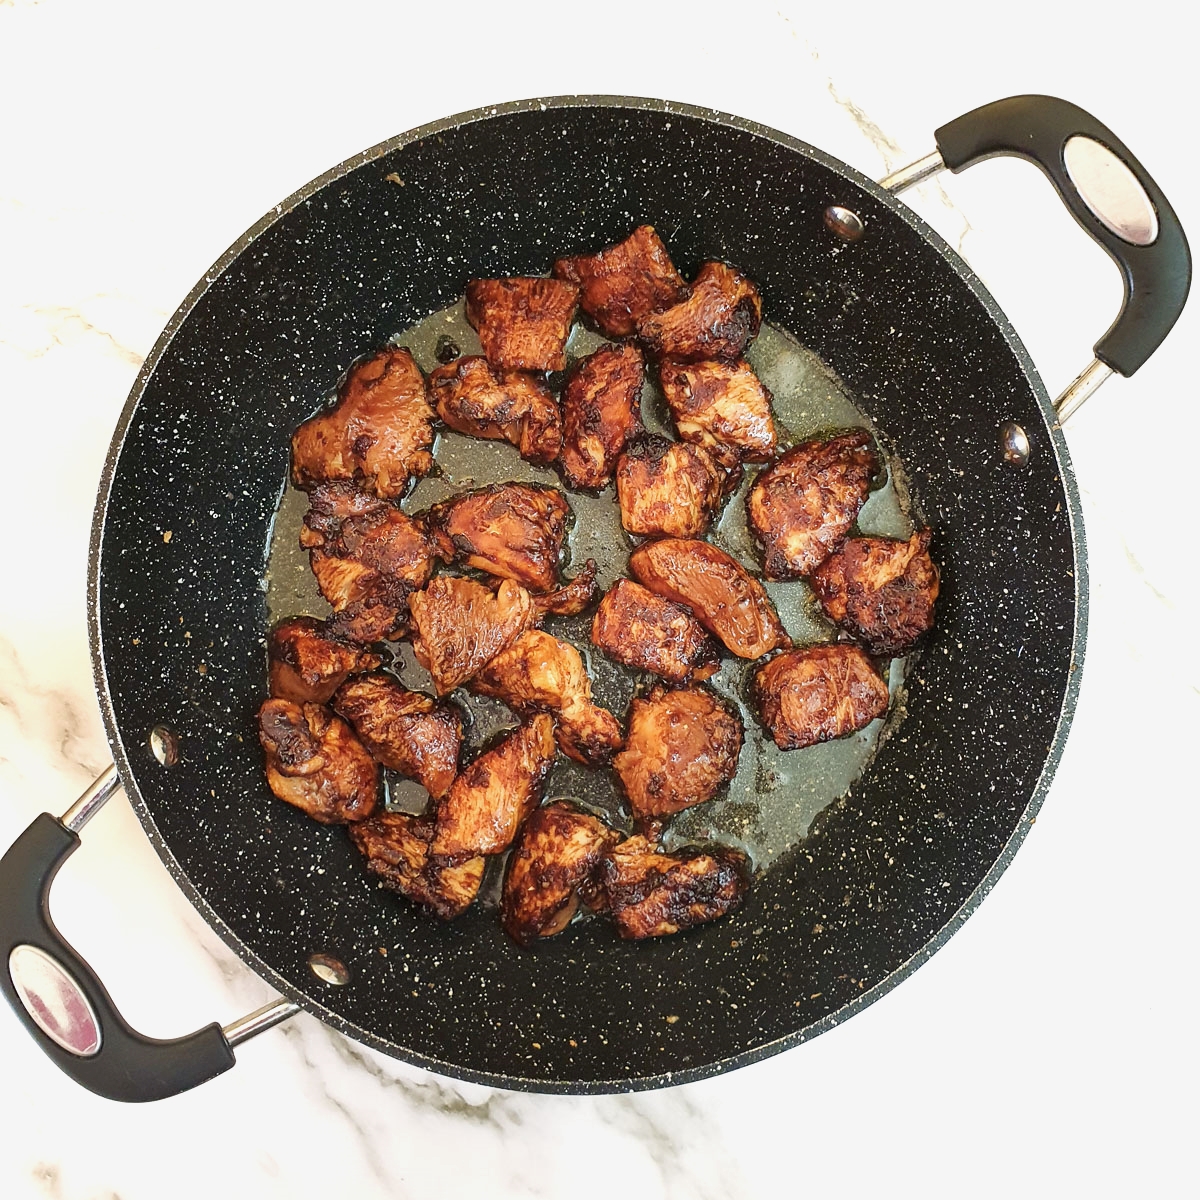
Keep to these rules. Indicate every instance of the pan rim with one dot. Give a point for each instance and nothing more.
(1055, 440)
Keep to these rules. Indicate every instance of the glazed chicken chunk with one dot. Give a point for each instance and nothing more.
(559, 851)
(727, 601)
(682, 746)
(651, 894)
(509, 406)
(488, 802)
(537, 672)
(881, 590)
(670, 488)
(511, 530)
(802, 507)
(523, 323)
(406, 731)
(396, 847)
(644, 631)
(315, 762)
(718, 319)
(624, 283)
(722, 407)
(379, 432)
(601, 413)
(307, 665)
(817, 694)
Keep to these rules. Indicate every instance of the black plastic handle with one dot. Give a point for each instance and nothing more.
(127, 1066)
(1156, 276)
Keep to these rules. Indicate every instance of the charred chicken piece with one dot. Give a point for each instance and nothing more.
(652, 894)
(644, 631)
(396, 847)
(403, 730)
(881, 590)
(722, 407)
(307, 665)
(511, 530)
(523, 323)
(540, 673)
(718, 319)
(459, 625)
(573, 597)
(488, 802)
(814, 695)
(727, 601)
(379, 432)
(601, 413)
(559, 850)
(802, 506)
(315, 762)
(668, 488)
(509, 406)
(682, 746)
(624, 283)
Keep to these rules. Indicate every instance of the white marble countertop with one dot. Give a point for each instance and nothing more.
(1049, 1048)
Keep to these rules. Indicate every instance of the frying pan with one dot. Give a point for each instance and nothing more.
(178, 623)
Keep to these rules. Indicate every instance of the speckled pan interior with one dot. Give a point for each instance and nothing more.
(194, 477)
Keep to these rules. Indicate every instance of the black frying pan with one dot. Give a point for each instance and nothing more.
(202, 450)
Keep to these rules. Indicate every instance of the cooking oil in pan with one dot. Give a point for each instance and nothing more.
(769, 806)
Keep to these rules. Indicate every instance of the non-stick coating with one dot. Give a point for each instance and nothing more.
(178, 618)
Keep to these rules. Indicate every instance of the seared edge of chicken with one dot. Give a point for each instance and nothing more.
(671, 488)
(315, 762)
(624, 282)
(718, 319)
(573, 597)
(682, 746)
(817, 694)
(306, 665)
(379, 432)
(601, 412)
(722, 406)
(406, 731)
(396, 847)
(647, 632)
(486, 804)
(881, 590)
(727, 601)
(651, 894)
(523, 323)
(511, 406)
(558, 851)
(802, 507)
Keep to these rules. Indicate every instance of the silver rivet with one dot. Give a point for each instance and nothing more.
(846, 224)
(329, 969)
(1014, 444)
(164, 745)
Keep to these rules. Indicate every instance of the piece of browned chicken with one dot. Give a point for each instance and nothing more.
(315, 762)
(668, 487)
(651, 894)
(536, 673)
(721, 406)
(802, 506)
(624, 283)
(404, 730)
(488, 802)
(647, 632)
(379, 432)
(881, 590)
(523, 323)
(557, 852)
(509, 406)
(510, 530)
(726, 600)
(817, 694)
(601, 413)
(396, 847)
(307, 665)
(683, 744)
(718, 319)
